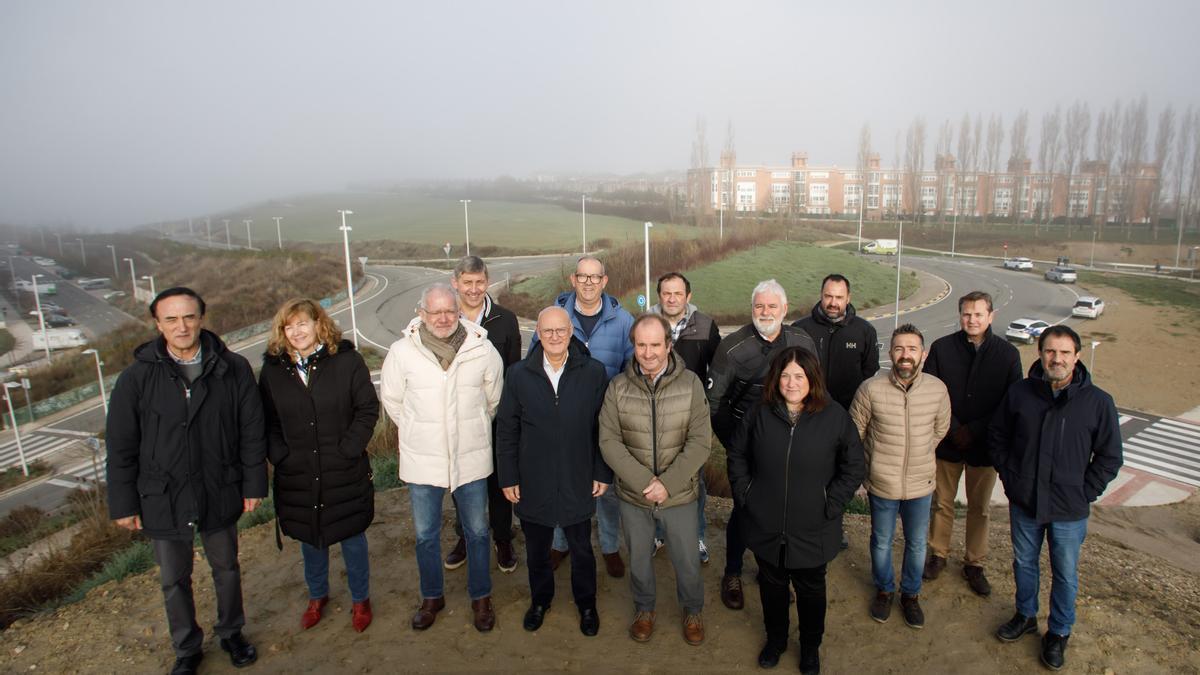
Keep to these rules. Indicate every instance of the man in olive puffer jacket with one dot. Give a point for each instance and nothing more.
(655, 434)
(901, 417)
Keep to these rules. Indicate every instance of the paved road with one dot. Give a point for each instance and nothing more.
(95, 316)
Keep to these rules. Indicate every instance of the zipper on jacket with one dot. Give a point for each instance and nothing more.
(787, 467)
(654, 428)
(907, 447)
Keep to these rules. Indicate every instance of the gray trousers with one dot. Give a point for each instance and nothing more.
(679, 527)
(174, 559)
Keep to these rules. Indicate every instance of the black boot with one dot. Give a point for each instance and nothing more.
(1053, 649)
(1016, 628)
(810, 659)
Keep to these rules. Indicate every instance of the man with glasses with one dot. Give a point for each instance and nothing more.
(600, 323)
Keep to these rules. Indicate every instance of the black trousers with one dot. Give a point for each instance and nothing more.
(773, 581)
(174, 559)
(500, 516)
(735, 545)
(538, 539)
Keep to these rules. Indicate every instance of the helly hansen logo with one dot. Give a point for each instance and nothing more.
(851, 345)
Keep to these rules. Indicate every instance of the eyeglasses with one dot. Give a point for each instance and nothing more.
(589, 278)
(555, 332)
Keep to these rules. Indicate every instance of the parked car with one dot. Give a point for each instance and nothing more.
(58, 320)
(113, 295)
(1018, 264)
(59, 338)
(1026, 330)
(881, 246)
(1088, 306)
(45, 262)
(52, 308)
(1061, 275)
(93, 284)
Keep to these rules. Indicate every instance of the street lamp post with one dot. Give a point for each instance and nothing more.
(150, 277)
(278, 231)
(1092, 262)
(37, 299)
(899, 252)
(59, 238)
(954, 227)
(349, 275)
(583, 202)
(116, 269)
(132, 275)
(21, 373)
(646, 234)
(99, 377)
(228, 242)
(1092, 358)
(8, 386)
(467, 222)
(82, 252)
(249, 239)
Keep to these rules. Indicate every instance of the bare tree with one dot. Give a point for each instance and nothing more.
(914, 163)
(1106, 150)
(1162, 154)
(976, 148)
(1194, 182)
(965, 158)
(864, 164)
(1018, 153)
(1134, 131)
(1079, 119)
(728, 154)
(702, 180)
(1183, 146)
(941, 153)
(1049, 148)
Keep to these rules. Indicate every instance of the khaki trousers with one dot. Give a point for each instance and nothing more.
(981, 480)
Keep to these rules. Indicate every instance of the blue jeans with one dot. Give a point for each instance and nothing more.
(358, 572)
(608, 521)
(1066, 538)
(427, 519)
(914, 517)
(700, 524)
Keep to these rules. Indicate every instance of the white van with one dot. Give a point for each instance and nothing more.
(881, 247)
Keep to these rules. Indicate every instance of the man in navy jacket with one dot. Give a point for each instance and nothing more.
(1056, 442)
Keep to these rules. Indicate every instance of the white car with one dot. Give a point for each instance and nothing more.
(1089, 307)
(1026, 330)
(1018, 264)
(45, 262)
(1062, 275)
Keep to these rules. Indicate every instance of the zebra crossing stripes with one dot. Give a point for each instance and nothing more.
(34, 445)
(1167, 448)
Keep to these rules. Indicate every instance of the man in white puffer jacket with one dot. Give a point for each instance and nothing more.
(901, 416)
(441, 385)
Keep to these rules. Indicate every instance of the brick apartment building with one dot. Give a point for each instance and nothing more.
(943, 192)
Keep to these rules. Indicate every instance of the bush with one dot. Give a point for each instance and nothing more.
(7, 341)
(135, 559)
(14, 476)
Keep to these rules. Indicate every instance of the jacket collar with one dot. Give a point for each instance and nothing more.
(577, 353)
(608, 305)
(818, 314)
(672, 370)
(1080, 378)
(966, 340)
(476, 334)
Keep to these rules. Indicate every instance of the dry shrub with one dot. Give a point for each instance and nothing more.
(20, 520)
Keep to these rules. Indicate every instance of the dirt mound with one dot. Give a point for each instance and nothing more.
(1136, 613)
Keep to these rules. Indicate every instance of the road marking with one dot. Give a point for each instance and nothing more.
(1167, 448)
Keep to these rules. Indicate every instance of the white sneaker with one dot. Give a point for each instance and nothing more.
(703, 553)
(658, 544)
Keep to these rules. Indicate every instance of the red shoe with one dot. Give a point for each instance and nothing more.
(312, 615)
(360, 615)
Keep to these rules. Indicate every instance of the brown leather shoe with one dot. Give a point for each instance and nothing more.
(642, 627)
(731, 592)
(427, 613)
(614, 565)
(976, 580)
(506, 559)
(934, 565)
(485, 616)
(457, 555)
(556, 558)
(693, 629)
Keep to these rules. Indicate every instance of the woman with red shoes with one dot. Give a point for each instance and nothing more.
(320, 409)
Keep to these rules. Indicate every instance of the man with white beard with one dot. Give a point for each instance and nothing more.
(734, 384)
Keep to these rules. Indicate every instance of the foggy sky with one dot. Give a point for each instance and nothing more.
(120, 113)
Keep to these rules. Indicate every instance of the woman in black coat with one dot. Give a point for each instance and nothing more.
(794, 463)
(320, 409)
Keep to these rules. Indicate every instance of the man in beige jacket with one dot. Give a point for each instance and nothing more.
(901, 417)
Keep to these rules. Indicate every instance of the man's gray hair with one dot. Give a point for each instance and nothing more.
(769, 286)
(470, 264)
(435, 289)
(591, 257)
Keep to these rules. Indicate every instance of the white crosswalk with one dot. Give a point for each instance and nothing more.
(1167, 448)
(34, 445)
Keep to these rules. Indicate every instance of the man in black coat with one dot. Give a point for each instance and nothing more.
(187, 453)
(470, 280)
(1056, 441)
(977, 367)
(550, 466)
(847, 344)
(735, 383)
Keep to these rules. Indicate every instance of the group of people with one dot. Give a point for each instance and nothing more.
(613, 416)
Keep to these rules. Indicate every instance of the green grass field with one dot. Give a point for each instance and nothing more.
(722, 289)
(425, 220)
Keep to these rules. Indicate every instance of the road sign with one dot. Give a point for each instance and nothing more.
(446, 248)
(641, 300)
(25, 383)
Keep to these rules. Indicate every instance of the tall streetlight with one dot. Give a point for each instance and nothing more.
(116, 269)
(862, 203)
(37, 299)
(249, 239)
(899, 253)
(583, 202)
(278, 232)
(99, 378)
(150, 277)
(228, 241)
(1092, 358)
(467, 222)
(132, 275)
(82, 251)
(349, 276)
(8, 387)
(646, 234)
(22, 373)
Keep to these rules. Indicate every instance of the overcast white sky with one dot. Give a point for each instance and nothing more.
(118, 113)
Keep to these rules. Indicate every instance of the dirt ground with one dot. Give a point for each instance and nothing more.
(1136, 613)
